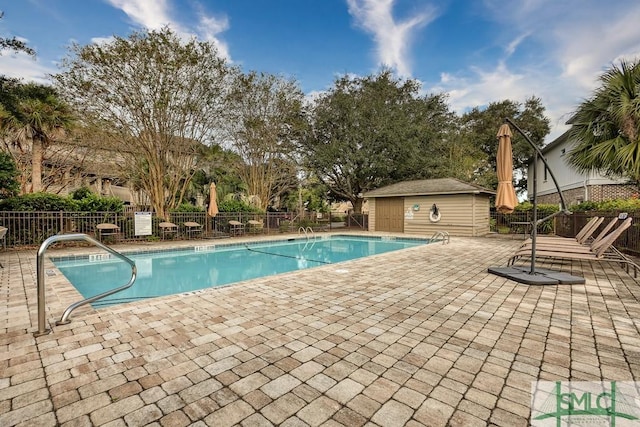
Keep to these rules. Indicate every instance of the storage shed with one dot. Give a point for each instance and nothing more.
(427, 206)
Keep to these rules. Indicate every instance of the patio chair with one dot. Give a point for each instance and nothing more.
(168, 229)
(191, 228)
(255, 227)
(601, 251)
(107, 230)
(236, 228)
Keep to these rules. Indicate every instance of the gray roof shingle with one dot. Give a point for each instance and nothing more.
(426, 187)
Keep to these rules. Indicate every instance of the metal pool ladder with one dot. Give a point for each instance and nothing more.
(444, 235)
(307, 231)
(42, 329)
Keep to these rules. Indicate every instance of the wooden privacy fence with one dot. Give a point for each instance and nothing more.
(629, 241)
(568, 226)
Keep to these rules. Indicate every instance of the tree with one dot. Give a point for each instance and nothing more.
(14, 44)
(265, 120)
(158, 101)
(480, 127)
(8, 173)
(606, 127)
(371, 131)
(32, 118)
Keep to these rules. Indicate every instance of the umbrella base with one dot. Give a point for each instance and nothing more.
(542, 276)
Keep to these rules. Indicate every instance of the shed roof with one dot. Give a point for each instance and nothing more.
(427, 187)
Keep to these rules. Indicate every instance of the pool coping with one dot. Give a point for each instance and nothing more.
(65, 293)
(207, 247)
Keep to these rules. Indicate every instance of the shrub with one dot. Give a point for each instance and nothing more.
(79, 201)
(543, 209)
(187, 207)
(94, 203)
(81, 193)
(38, 202)
(9, 186)
(617, 205)
(237, 206)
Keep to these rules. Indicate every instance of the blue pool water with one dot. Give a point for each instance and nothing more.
(184, 270)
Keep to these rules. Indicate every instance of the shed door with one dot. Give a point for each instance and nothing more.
(390, 214)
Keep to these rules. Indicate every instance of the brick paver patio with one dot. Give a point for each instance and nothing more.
(420, 337)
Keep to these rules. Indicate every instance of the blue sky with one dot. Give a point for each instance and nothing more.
(475, 51)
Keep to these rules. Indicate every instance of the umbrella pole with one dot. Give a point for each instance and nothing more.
(534, 221)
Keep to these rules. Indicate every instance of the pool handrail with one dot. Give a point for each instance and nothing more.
(306, 232)
(42, 330)
(446, 238)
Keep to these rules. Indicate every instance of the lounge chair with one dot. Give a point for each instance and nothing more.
(191, 228)
(3, 237)
(568, 242)
(582, 236)
(168, 228)
(603, 243)
(602, 251)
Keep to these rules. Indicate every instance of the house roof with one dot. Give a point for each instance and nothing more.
(559, 140)
(427, 187)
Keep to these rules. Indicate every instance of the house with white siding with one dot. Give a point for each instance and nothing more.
(576, 186)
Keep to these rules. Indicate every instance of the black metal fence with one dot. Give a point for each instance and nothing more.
(32, 228)
(518, 223)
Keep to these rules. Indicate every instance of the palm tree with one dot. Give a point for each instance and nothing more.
(606, 126)
(34, 115)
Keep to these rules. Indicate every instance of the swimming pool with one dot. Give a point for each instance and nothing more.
(177, 271)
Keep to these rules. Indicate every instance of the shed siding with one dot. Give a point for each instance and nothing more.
(454, 215)
(461, 215)
(481, 215)
(372, 214)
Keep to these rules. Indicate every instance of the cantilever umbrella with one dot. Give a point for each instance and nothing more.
(212, 211)
(506, 199)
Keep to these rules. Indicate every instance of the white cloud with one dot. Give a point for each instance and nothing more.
(585, 50)
(481, 87)
(102, 40)
(511, 47)
(556, 52)
(156, 14)
(209, 28)
(21, 65)
(392, 38)
(149, 14)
